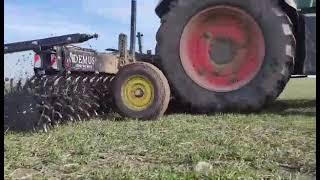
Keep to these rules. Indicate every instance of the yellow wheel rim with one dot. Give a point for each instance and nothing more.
(137, 93)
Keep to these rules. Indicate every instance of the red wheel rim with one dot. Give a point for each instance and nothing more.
(222, 48)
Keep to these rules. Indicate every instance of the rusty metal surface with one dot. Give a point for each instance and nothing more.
(107, 63)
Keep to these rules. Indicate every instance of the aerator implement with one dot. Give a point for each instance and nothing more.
(218, 55)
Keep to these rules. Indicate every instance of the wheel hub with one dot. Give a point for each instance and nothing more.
(222, 51)
(222, 48)
(138, 93)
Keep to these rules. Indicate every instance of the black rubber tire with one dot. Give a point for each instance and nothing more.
(266, 85)
(161, 88)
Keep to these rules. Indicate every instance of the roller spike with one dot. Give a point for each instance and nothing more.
(45, 128)
(78, 117)
(58, 114)
(77, 79)
(46, 107)
(58, 104)
(71, 108)
(70, 118)
(92, 79)
(96, 105)
(85, 79)
(95, 113)
(46, 118)
(57, 81)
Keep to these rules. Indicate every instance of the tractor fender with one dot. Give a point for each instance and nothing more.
(163, 6)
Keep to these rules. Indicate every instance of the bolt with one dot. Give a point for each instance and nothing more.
(138, 93)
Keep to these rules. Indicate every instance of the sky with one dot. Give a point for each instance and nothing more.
(33, 19)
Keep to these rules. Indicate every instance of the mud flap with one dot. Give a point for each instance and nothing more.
(310, 40)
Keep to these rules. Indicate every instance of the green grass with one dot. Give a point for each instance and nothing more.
(278, 143)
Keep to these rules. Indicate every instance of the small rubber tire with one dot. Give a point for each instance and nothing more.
(160, 85)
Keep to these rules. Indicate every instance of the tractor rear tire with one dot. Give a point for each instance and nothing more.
(140, 91)
(271, 37)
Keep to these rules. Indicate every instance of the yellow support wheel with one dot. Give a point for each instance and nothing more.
(138, 93)
(141, 91)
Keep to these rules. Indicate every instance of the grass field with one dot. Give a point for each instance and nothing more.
(278, 143)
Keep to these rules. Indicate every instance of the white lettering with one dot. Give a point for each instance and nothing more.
(73, 58)
(80, 59)
(85, 60)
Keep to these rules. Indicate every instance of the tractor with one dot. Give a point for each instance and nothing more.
(211, 56)
(222, 55)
